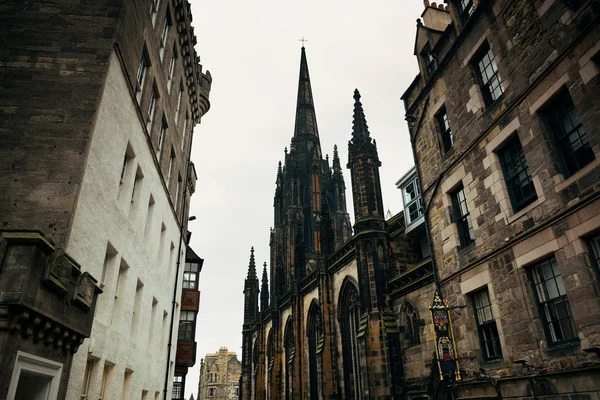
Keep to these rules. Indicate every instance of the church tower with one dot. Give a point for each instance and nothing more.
(310, 199)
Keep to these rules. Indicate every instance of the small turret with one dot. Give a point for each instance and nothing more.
(264, 290)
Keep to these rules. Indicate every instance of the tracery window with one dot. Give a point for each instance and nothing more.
(315, 345)
(290, 350)
(349, 320)
(412, 325)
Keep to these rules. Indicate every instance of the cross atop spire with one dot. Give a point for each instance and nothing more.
(252, 266)
(303, 41)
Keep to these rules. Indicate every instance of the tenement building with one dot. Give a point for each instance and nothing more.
(323, 326)
(219, 376)
(99, 103)
(504, 123)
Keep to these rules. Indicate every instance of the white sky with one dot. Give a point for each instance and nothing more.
(252, 51)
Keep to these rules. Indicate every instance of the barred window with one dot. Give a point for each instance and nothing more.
(569, 136)
(462, 217)
(555, 310)
(447, 136)
(516, 174)
(488, 74)
(486, 326)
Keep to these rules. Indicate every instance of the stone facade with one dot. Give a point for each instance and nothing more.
(495, 237)
(97, 119)
(219, 376)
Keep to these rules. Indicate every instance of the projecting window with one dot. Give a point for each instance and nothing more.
(190, 276)
(412, 202)
(487, 70)
(569, 136)
(187, 321)
(164, 35)
(161, 138)
(466, 8)
(429, 60)
(555, 310)
(177, 387)
(151, 108)
(516, 174)
(447, 136)
(141, 74)
(594, 244)
(462, 217)
(486, 326)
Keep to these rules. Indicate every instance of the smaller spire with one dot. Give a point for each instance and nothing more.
(252, 265)
(336, 159)
(279, 169)
(264, 289)
(359, 123)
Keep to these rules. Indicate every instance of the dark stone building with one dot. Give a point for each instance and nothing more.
(99, 100)
(504, 119)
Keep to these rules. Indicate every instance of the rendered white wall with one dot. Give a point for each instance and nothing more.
(105, 214)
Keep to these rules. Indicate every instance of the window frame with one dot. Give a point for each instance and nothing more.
(164, 36)
(178, 384)
(462, 219)
(552, 120)
(509, 155)
(416, 200)
(445, 129)
(549, 327)
(429, 59)
(189, 325)
(481, 70)
(466, 8)
(164, 126)
(190, 273)
(152, 108)
(143, 67)
(488, 327)
(593, 243)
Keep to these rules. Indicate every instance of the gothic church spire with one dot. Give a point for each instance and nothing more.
(306, 119)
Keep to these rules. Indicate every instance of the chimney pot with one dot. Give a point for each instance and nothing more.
(441, 6)
(426, 3)
(434, 4)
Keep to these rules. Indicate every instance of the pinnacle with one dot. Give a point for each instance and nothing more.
(359, 123)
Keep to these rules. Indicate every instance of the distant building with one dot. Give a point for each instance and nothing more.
(186, 337)
(99, 102)
(219, 376)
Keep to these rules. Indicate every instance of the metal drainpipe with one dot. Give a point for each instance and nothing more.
(174, 302)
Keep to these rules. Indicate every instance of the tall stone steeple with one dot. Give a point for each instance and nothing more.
(363, 162)
(306, 119)
(251, 291)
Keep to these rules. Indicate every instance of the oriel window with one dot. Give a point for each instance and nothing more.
(553, 302)
(190, 276)
(569, 136)
(187, 320)
(516, 174)
(412, 202)
(486, 326)
(462, 217)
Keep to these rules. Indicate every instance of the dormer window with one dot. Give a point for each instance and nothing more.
(429, 60)
(466, 8)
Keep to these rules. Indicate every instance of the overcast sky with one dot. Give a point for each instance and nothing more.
(252, 51)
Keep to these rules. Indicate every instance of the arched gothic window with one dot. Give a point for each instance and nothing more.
(412, 325)
(315, 345)
(289, 343)
(350, 312)
(270, 361)
(254, 369)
